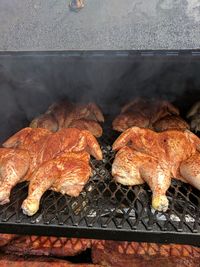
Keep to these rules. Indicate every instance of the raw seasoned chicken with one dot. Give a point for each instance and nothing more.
(67, 115)
(91, 125)
(27, 150)
(66, 174)
(14, 164)
(146, 156)
(44, 145)
(146, 113)
(170, 122)
(194, 117)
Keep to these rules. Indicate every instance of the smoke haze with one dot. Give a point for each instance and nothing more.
(29, 83)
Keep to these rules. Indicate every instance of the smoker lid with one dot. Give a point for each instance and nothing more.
(110, 24)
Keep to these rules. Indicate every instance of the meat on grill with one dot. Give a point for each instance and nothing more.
(170, 122)
(91, 125)
(68, 115)
(66, 174)
(44, 245)
(133, 254)
(194, 117)
(146, 156)
(154, 114)
(59, 161)
(13, 261)
(105, 253)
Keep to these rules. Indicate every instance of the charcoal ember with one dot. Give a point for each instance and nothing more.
(14, 261)
(5, 239)
(48, 246)
(120, 254)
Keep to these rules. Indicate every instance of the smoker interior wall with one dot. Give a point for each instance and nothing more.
(30, 82)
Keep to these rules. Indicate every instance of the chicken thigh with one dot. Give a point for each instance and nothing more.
(14, 164)
(66, 174)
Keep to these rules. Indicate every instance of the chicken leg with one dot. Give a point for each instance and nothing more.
(162, 156)
(66, 174)
(14, 164)
(133, 168)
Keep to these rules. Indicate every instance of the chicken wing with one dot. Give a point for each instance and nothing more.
(53, 119)
(27, 137)
(134, 113)
(46, 121)
(44, 145)
(155, 158)
(90, 125)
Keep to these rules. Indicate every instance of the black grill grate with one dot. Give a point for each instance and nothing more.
(107, 210)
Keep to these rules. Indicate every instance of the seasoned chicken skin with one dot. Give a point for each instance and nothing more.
(66, 174)
(146, 156)
(91, 125)
(170, 122)
(67, 115)
(153, 114)
(14, 164)
(25, 152)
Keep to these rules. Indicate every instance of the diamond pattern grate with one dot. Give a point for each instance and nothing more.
(107, 210)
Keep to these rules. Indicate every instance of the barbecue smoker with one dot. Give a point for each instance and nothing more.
(105, 210)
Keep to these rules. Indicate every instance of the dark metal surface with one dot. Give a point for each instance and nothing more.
(107, 210)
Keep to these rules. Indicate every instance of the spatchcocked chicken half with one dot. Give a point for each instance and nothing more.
(158, 115)
(65, 114)
(147, 156)
(57, 161)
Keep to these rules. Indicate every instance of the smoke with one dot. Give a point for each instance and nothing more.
(30, 83)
